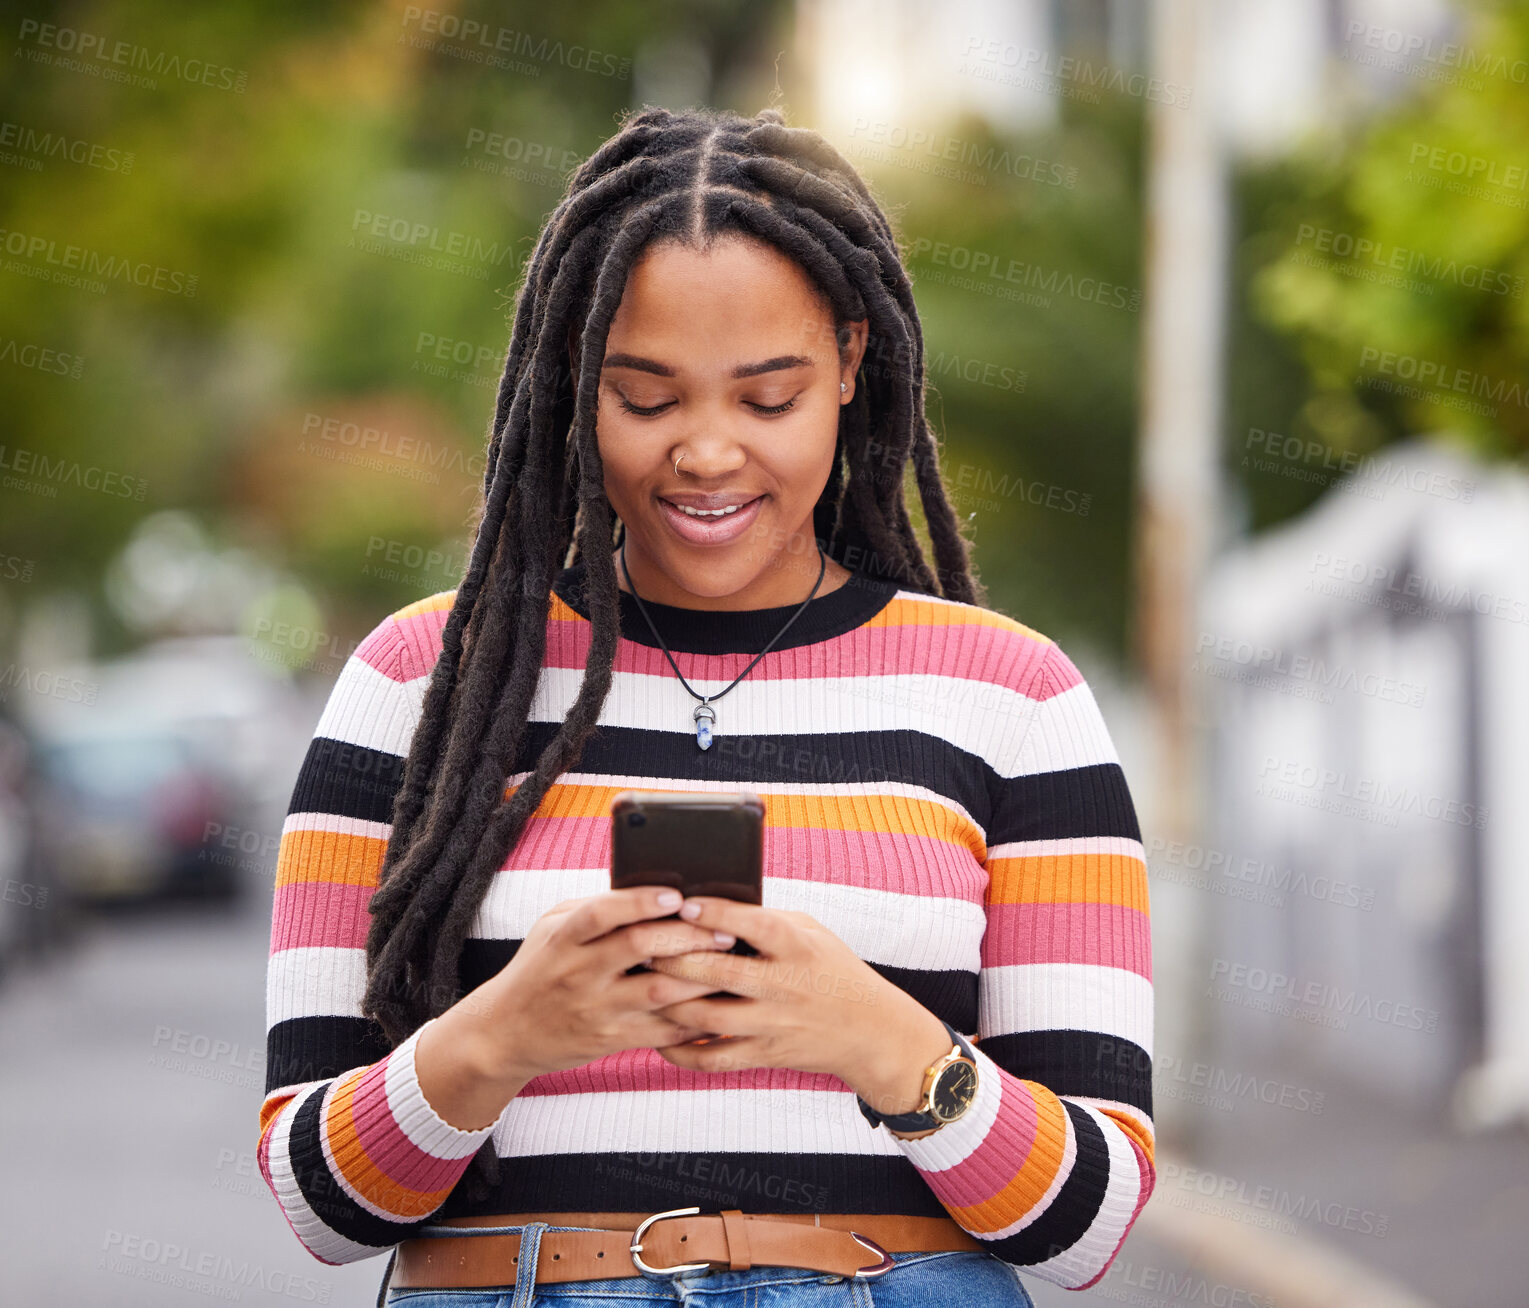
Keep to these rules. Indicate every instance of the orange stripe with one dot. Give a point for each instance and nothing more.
(1132, 1128)
(906, 612)
(359, 1170)
(331, 856)
(1068, 879)
(1036, 1173)
(430, 604)
(897, 815)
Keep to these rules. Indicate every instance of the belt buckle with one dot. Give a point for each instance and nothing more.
(881, 1269)
(635, 1249)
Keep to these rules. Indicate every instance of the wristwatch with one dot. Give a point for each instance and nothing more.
(950, 1086)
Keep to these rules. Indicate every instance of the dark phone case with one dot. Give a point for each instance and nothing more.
(701, 844)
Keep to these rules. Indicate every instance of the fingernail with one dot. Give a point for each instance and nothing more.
(668, 898)
(691, 910)
(723, 938)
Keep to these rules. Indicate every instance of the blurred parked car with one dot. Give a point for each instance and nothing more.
(128, 810)
(30, 916)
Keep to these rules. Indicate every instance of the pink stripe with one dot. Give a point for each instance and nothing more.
(379, 649)
(313, 913)
(974, 652)
(631, 1071)
(875, 860)
(1000, 1157)
(421, 634)
(1110, 935)
(387, 1147)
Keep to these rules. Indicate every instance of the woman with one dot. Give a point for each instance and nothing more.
(943, 1044)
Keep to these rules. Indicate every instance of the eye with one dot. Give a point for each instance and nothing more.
(641, 412)
(772, 408)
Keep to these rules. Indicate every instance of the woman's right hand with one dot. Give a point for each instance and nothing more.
(564, 999)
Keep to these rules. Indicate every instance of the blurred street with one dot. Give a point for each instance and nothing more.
(122, 1074)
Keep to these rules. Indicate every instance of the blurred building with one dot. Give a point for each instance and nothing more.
(1365, 673)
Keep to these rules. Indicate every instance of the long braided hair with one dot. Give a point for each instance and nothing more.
(677, 176)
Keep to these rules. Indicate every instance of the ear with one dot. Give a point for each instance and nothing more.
(854, 351)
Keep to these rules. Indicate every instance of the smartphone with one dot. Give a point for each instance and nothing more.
(701, 844)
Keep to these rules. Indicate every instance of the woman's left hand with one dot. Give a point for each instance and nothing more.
(808, 1001)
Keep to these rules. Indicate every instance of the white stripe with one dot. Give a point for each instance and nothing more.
(1085, 1258)
(335, 824)
(1068, 732)
(880, 926)
(368, 708)
(983, 718)
(781, 1120)
(957, 1141)
(314, 981)
(1063, 846)
(1065, 996)
(413, 1113)
(320, 1239)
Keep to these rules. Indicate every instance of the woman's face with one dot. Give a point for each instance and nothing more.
(731, 358)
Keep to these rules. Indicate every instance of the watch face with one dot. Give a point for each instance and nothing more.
(954, 1091)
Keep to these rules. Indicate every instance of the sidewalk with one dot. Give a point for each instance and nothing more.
(1360, 1206)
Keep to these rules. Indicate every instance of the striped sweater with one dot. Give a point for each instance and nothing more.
(940, 791)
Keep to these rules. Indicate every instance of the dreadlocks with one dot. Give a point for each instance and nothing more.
(678, 176)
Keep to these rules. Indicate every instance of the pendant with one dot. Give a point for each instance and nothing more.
(705, 716)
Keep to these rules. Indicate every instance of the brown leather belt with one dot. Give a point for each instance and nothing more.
(681, 1239)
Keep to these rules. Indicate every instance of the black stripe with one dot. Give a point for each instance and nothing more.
(1086, 801)
(754, 1182)
(302, 1049)
(347, 780)
(1090, 1064)
(324, 1194)
(870, 758)
(1072, 1211)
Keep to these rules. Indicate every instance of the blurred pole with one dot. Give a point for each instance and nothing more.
(1179, 509)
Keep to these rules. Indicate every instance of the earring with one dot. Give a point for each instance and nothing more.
(842, 388)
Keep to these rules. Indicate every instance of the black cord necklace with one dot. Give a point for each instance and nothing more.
(706, 716)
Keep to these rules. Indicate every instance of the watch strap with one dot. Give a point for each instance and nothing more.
(915, 1121)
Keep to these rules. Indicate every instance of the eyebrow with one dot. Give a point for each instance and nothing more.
(738, 373)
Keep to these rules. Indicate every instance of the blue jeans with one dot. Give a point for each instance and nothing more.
(939, 1279)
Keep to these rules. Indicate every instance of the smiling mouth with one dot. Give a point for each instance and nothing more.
(710, 513)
